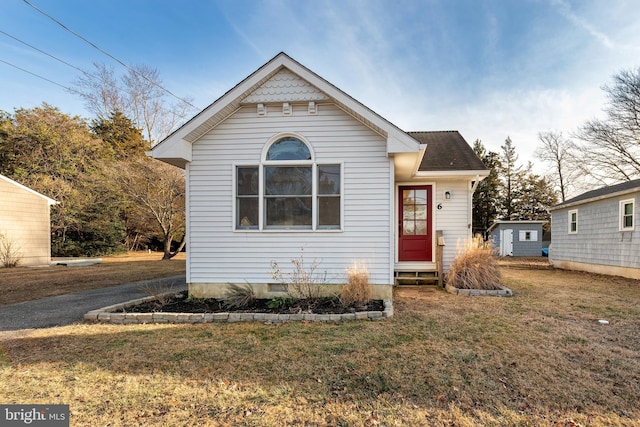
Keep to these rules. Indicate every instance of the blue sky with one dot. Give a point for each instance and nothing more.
(490, 69)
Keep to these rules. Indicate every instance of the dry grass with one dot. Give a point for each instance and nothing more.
(357, 290)
(24, 284)
(475, 266)
(539, 358)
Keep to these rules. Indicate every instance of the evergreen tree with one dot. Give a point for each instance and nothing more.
(121, 135)
(537, 196)
(511, 176)
(57, 155)
(486, 196)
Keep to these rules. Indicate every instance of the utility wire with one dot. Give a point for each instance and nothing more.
(86, 73)
(44, 53)
(109, 55)
(40, 77)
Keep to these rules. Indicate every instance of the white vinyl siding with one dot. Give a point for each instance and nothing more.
(218, 253)
(454, 218)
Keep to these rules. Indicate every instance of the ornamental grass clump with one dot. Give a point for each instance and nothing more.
(357, 291)
(475, 266)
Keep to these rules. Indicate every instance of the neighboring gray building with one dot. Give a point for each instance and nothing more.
(598, 231)
(517, 238)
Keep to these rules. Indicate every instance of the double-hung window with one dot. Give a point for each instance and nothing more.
(573, 221)
(288, 190)
(627, 208)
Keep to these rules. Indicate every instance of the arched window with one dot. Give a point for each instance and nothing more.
(288, 148)
(288, 190)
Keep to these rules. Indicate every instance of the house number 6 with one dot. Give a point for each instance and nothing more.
(439, 206)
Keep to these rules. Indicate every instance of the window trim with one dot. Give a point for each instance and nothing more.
(261, 165)
(570, 213)
(621, 214)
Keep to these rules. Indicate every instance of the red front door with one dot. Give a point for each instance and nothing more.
(414, 217)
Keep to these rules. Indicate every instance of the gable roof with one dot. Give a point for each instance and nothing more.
(447, 151)
(50, 201)
(176, 148)
(601, 193)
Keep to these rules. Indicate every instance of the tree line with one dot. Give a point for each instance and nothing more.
(111, 197)
(601, 152)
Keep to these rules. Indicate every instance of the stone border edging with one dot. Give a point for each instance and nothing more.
(108, 315)
(502, 292)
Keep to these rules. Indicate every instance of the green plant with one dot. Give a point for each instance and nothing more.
(357, 291)
(304, 281)
(475, 266)
(280, 302)
(10, 254)
(238, 296)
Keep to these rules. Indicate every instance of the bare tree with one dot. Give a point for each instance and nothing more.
(158, 190)
(558, 152)
(611, 149)
(138, 94)
(100, 91)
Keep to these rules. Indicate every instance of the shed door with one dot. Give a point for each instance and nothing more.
(506, 242)
(415, 237)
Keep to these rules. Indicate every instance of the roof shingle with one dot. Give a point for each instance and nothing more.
(446, 151)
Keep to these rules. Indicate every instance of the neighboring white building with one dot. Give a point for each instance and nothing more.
(598, 231)
(285, 163)
(25, 221)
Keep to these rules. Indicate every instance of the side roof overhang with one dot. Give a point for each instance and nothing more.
(176, 148)
(617, 190)
(49, 201)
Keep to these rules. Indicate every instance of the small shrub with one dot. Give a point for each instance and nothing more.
(163, 294)
(10, 254)
(358, 289)
(304, 282)
(280, 302)
(238, 296)
(475, 266)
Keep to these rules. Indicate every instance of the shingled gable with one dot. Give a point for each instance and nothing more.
(176, 148)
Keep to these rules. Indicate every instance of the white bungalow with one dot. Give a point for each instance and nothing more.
(286, 164)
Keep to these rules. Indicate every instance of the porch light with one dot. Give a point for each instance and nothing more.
(447, 195)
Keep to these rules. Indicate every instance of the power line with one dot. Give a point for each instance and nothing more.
(43, 52)
(109, 55)
(40, 77)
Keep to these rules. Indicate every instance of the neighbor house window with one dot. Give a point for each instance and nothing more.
(626, 215)
(573, 221)
(288, 190)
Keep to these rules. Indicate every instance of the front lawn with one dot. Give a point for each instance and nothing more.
(537, 358)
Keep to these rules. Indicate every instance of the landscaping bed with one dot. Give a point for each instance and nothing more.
(181, 303)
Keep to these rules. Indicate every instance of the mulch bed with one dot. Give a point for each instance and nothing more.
(181, 303)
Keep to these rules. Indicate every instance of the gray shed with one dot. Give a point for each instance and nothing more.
(598, 231)
(517, 238)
